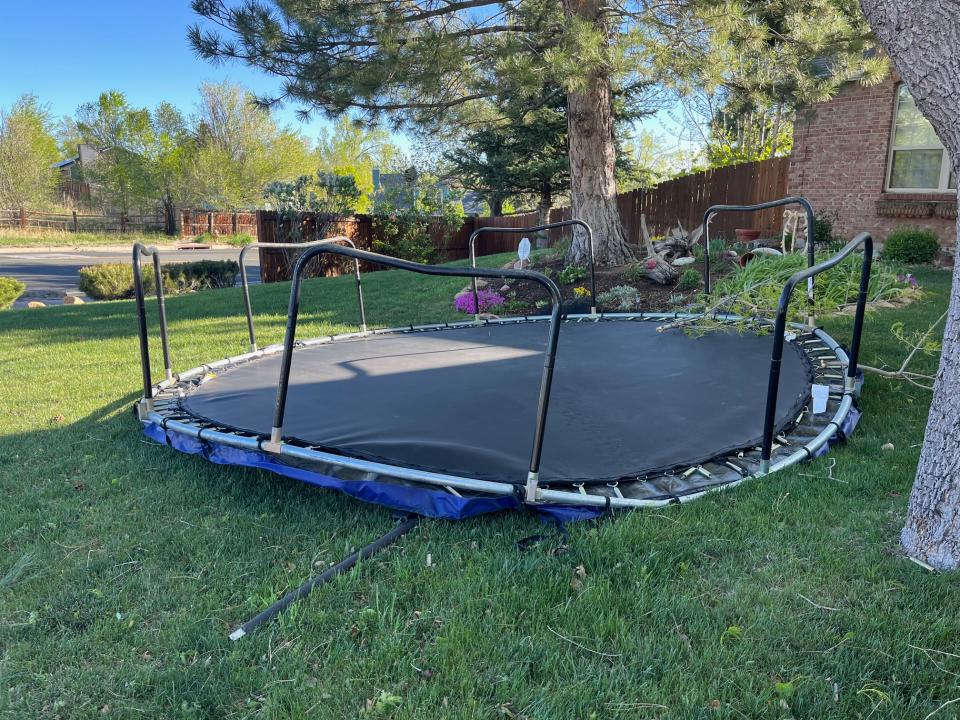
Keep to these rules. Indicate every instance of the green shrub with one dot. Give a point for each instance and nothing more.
(114, 281)
(10, 290)
(911, 246)
(514, 307)
(623, 298)
(571, 274)
(689, 280)
(824, 238)
(110, 281)
(718, 249)
(200, 275)
(757, 287)
(636, 272)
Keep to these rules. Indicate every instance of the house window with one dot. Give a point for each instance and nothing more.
(918, 160)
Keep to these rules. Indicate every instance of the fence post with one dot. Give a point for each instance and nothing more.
(233, 224)
(76, 224)
(23, 219)
(123, 222)
(210, 223)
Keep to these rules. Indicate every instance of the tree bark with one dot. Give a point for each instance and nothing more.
(590, 127)
(921, 38)
(543, 213)
(169, 216)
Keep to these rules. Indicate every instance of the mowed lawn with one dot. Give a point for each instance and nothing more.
(124, 565)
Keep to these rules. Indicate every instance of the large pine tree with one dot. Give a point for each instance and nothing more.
(429, 63)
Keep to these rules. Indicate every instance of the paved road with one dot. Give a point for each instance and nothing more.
(51, 273)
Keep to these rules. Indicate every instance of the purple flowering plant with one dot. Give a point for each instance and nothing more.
(909, 279)
(487, 299)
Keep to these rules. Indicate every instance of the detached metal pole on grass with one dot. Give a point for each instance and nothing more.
(341, 567)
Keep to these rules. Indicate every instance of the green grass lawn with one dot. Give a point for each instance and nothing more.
(124, 564)
(11, 237)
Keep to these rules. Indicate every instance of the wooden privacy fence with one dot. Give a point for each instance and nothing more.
(683, 199)
(686, 198)
(199, 222)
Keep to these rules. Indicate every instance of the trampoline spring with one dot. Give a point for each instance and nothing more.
(616, 489)
(581, 488)
(736, 468)
(452, 491)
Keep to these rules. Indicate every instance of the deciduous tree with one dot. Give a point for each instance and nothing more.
(28, 152)
(240, 148)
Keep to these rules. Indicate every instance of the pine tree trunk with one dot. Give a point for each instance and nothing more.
(593, 188)
(543, 214)
(921, 37)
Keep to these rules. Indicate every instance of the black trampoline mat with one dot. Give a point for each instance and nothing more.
(626, 400)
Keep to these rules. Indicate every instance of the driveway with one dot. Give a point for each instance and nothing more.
(52, 273)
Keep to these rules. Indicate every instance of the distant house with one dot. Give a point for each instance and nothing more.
(869, 156)
(393, 183)
(72, 168)
(73, 187)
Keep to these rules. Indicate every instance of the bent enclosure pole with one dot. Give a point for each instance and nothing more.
(275, 443)
(286, 246)
(849, 384)
(566, 223)
(793, 200)
(139, 250)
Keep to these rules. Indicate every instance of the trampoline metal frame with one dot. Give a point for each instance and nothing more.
(550, 226)
(244, 282)
(546, 380)
(793, 200)
(532, 494)
(439, 480)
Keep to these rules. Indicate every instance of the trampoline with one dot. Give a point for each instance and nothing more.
(574, 413)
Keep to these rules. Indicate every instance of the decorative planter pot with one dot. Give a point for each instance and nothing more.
(747, 234)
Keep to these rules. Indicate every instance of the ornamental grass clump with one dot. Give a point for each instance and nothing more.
(487, 299)
(755, 290)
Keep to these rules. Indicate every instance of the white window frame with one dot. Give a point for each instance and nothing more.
(945, 168)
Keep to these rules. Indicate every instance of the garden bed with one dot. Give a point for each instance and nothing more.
(528, 298)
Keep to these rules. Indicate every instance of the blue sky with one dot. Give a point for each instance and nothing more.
(66, 52)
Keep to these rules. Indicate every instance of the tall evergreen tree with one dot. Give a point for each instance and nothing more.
(524, 153)
(430, 62)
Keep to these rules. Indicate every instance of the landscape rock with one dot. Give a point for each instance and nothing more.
(36, 304)
(681, 261)
(72, 300)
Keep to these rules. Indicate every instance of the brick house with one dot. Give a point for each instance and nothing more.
(870, 157)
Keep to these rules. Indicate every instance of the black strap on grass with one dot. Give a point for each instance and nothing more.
(341, 567)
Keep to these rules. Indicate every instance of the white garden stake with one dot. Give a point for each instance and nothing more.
(523, 251)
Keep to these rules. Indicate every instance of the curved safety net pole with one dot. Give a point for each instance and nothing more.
(139, 251)
(793, 200)
(275, 444)
(289, 246)
(780, 325)
(566, 223)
